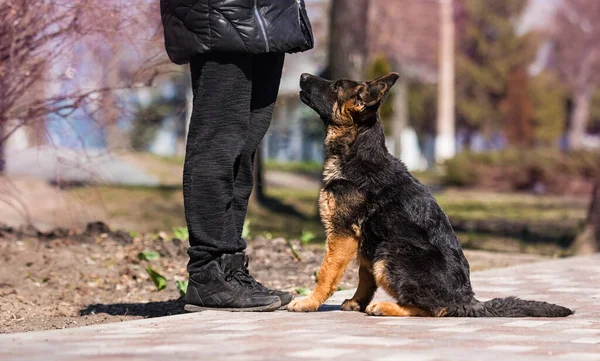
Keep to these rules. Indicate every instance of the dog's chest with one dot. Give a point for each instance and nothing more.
(341, 208)
(332, 169)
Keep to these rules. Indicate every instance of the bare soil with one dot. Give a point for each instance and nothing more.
(69, 278)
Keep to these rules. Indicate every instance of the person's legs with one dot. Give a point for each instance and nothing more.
(266, 76)
(231, 115)
(222, 86)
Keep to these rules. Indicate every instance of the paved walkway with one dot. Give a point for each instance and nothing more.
(336, 335)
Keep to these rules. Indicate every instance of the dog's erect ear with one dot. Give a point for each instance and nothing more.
(376, 90)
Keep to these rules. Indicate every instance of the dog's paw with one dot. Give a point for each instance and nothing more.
(304, 305)
(375, 309)
(351, 305)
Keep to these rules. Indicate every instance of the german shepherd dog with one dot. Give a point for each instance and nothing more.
(371, 206)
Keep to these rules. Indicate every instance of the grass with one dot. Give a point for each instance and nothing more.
(137, 209)
(155, 209)
(512, 206)
(316, 168)
(278, 224)
(173, 160)
(292, 167)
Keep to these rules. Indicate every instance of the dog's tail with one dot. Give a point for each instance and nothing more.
(508, 307)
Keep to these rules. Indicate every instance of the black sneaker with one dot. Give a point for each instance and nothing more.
(285, 297)
(224, 284)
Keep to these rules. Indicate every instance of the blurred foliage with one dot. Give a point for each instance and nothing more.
(489, 50)
(246, 229)
(549, 98)
(512, 170)
(306, 237)
(380, 66)
(312, 124)
(148, 256)
(146, 123)
(159, 280)
(149, 119)
(422, 107)
(301, 291)
(182, 286)
(181, 233)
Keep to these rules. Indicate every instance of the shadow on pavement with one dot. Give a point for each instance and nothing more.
(148, 309)
(329, 308)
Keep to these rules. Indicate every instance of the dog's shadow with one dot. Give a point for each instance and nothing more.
(329, 308)
(144, 309)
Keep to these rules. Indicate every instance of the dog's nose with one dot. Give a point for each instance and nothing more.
(304, 77)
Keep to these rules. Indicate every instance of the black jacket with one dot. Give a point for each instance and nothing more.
(194, 27)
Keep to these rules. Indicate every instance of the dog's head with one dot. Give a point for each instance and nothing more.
(345, 102)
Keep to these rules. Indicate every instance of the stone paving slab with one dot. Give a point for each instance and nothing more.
(333, 335)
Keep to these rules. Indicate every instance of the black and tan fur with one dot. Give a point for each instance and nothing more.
(373, 208)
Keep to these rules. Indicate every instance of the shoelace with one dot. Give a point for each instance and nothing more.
(240, 276)
(255, 283)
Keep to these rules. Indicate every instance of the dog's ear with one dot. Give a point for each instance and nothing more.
(374, 92)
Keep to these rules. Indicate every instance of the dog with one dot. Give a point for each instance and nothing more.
(373, 208)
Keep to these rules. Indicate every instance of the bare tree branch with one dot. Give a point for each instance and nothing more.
(34, 40)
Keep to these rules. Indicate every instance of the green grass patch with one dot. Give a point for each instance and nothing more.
(172, 160)
(544, 221)
(278, 223)
(473, 205)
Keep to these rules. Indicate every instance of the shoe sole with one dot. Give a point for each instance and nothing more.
(272, 307)
(284, 305)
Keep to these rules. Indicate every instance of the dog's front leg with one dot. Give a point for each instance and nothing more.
(339, 252)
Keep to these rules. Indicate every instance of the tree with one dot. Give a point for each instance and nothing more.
(36, 39)
(445, 146)
(549, 98)
(594, 124)
(348, 38)
(489, 50)
(379, 67)
(576, 35)
(588, 241)
(149, 118)
(518, 110)
(422, 107)
(394, 110)
(405, 32)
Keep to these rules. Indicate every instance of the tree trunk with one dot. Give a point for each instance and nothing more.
(115, 138)
(519, 110)
(588, 241)
(580, 116)
(445, 146)
(2, 160)
(348, 38)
